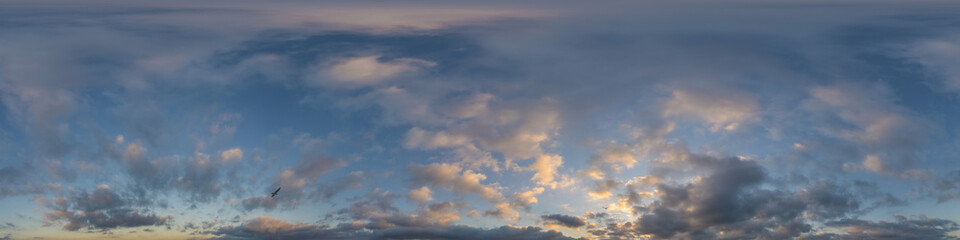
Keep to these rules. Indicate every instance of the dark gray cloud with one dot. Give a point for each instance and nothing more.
(264, 227)
(271, 228)
(902, 228)
(563, 220)
(465, 232)
(16, 180)
(101, 210)
(944, 188)
(353, 180)
(373, 205)
(729, 202)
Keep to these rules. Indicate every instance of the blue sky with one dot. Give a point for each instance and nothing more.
(492, 120)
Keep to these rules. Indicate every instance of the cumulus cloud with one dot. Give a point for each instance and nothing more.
(726, 202)
(420, 195)
(546, 170)
(231, 155)
(458, 180)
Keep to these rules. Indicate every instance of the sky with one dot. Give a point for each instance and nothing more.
(479, 120)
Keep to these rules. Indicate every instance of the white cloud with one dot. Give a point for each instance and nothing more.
(231, 155)
(880, 123)
(546, 170)
(455, 178)
(874, 163)
(370, 70)
(727, 111)
(134, 151)
(420, 195)
(940, 57)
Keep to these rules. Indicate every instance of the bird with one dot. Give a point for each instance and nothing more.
(274, 194)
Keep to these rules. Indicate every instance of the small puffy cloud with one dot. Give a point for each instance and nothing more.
(420, 195)
(443, 212)
(726, 112)
(874, 163)
(134, 151)
(546, 170)
(455, 178)
(370, 70)
(563, 220)
(231, 155)
(527, 198)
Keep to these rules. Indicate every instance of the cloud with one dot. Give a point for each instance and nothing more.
(231, 155)
(370, 70)
(300, 182)
(944, 188)
(465, 232)
(15, 180)
(41, 112)
(563, 220)
(264, 227)
(377, 209)
(889, 133)
(546, 170)
(903, 228)
(354, 180)
(420, 195)
(937, 56)
(200, 179)
(726, 202)
(101, 210)
(458, 180)
(726, 112)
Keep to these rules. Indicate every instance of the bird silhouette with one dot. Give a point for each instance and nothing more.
(274, 194)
